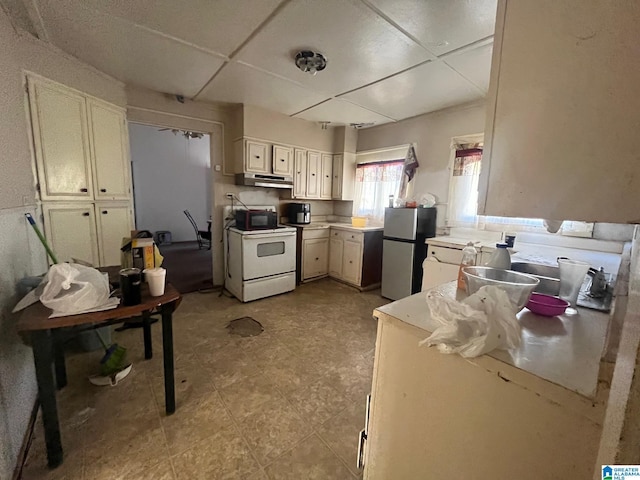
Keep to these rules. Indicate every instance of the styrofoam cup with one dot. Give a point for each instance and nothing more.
(155, 278)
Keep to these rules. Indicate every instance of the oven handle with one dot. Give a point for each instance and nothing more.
(246, 238)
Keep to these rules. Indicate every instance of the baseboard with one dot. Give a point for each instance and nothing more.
(26, 442)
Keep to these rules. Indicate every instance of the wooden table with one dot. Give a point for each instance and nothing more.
(47, 352)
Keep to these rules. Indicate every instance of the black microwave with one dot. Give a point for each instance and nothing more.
(256, 219)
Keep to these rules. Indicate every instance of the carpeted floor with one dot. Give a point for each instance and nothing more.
(188, 268)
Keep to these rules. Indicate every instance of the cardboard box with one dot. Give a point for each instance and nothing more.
(142, 253)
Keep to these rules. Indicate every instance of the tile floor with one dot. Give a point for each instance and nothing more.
(287, 404)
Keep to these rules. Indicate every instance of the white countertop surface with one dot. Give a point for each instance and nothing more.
(339, 226)
(565, 350)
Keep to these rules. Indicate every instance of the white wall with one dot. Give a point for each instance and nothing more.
(431, 134)
(171, 173)
(20, 252)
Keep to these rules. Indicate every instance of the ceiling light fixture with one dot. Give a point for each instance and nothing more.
(324, 125)
(310, 62)
(361, 125)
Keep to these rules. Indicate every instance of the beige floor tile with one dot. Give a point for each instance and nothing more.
(72, 467)
(193, 383)
(317, 402)
(341, 433)
(273, 429)
(195, 422)
(161, 471)
(223, 455)
(258, 475)
(246, 396)
(311, 460)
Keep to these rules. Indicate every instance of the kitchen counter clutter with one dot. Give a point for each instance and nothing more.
(534, 412)
(339, 226)
(565, 350)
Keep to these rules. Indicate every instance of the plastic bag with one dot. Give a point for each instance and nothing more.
(71, 288)
(479, 324)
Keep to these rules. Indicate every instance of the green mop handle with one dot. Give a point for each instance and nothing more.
(39, 233)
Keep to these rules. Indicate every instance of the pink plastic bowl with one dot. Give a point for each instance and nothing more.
(546, 305)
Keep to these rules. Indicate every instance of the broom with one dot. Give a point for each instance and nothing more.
(114, 359)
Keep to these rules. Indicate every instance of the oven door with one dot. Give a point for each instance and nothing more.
(268, 254)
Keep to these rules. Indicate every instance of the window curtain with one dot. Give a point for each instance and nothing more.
(375, 182)
(463, 195)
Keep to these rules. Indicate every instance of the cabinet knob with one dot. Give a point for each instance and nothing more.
(317, 258)
(282, 159)
(84, 190)
(313, 174)
(350, 261)
(103, 190)
(104, 212)
(85, 214)
(257, 156)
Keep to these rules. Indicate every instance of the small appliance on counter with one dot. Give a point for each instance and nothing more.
(255, 219)
(300, 213)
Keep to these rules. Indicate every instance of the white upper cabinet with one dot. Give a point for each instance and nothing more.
(71, 231)
(300, 174)
(61, 141)
(109, 150)
(314, 172)
(256, 159)
(282, 160)
(326, 176)
(562, 119)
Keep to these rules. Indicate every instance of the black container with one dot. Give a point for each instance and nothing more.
(300, 213)
(130, 280)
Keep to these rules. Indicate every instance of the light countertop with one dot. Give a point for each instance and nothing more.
(565, 350)
(339, 226)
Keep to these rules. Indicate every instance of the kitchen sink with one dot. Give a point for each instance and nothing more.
(549, 277)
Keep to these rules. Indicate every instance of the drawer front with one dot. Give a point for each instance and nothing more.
(445, 255)
(347, 235)
(308, 234)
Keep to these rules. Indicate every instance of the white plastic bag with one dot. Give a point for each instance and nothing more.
(71, 288)
(479, 324)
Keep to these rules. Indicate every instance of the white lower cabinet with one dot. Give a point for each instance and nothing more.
(315, 254)
(352, 262)
(345, 262)
(91, 232)
(336, 252)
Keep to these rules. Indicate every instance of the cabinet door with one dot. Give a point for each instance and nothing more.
(336, 248)
(71, 231)
(336, 183)
(561, 70)
(300, 174)
(256, 160)
(61, 142)
(313, 175)
(315, 257)
(109, 151)
(282, 160)
(327, 174)
(352, 262)
(114, 223)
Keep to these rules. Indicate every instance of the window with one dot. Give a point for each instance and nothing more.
(375, 182)
(463, 200)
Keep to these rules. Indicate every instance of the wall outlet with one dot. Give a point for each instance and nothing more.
(217, 168)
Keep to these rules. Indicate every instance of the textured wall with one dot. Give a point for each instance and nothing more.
(19, 254)
(431, 134)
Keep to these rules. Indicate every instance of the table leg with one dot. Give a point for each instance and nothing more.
(58, 358)
(43, 357)
(146, 332)
(167, 347)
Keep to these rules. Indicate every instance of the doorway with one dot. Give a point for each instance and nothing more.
(171, 171)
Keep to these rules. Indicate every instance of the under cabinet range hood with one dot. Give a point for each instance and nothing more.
(263, 180)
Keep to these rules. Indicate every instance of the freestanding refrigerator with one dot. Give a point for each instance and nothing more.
(404, 249)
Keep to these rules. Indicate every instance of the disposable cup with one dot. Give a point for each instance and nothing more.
(572, 273)
(155, 277)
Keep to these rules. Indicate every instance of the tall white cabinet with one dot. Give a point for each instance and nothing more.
(83, 172)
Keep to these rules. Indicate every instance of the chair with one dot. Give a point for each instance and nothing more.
(203, 236)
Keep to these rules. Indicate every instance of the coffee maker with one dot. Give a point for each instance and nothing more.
(300, 213)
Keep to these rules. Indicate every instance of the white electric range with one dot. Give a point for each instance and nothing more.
(258, 263)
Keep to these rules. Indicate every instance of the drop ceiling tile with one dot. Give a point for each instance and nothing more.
(131, 54)
(238, 83)
(432, 22)
(423, 89)
(474, 65)
(341, 112)
(360, 46)
(220, 25)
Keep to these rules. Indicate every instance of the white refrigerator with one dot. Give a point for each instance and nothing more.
(404, 249)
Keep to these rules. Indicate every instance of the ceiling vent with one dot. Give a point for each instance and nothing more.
(361, 125)
(310, 62)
